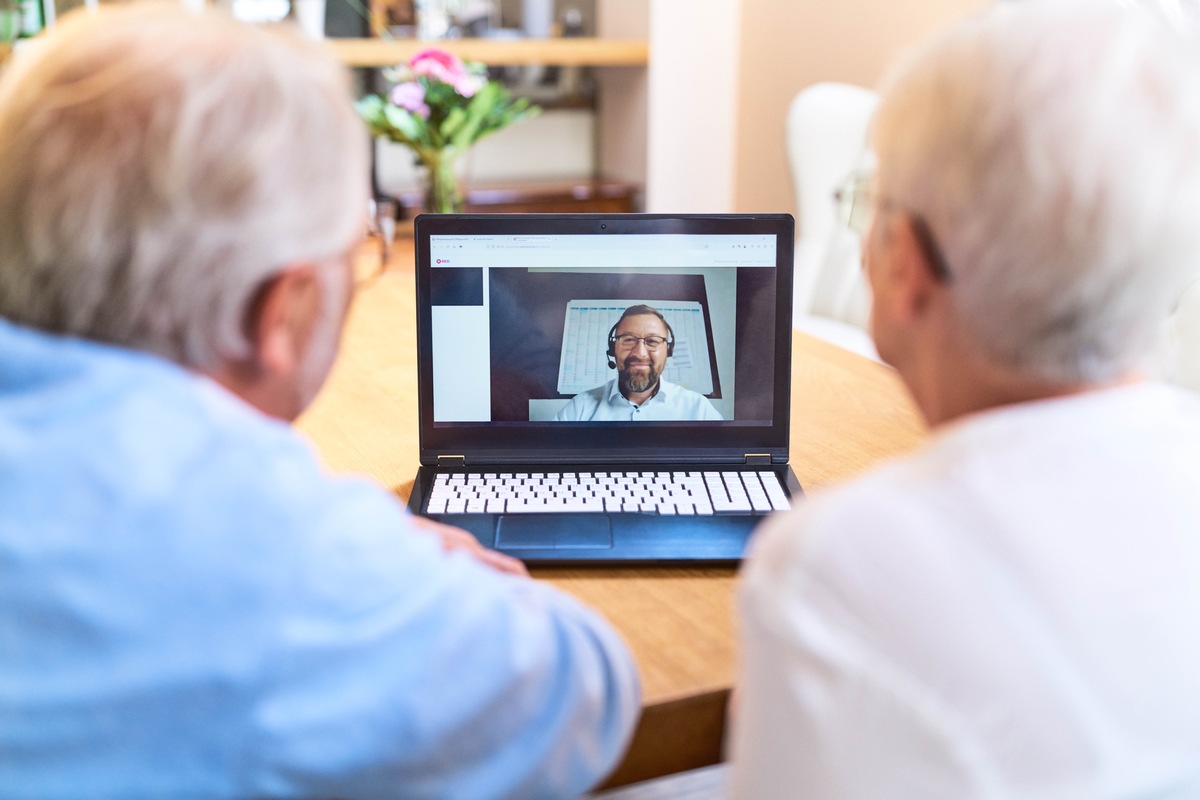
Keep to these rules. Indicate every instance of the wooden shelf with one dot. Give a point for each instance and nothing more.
(564, 52)
(593, 196)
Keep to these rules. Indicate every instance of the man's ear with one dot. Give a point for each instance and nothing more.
(282, 319)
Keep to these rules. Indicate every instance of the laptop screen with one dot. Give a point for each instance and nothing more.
(590, 331)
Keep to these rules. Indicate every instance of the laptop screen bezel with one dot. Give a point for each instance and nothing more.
(566, 442)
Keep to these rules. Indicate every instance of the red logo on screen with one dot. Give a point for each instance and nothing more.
(443, 261)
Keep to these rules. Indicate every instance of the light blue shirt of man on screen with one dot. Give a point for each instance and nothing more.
(605, 403)
(639, 345)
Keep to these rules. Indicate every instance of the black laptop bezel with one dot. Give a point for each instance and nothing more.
(564, 442)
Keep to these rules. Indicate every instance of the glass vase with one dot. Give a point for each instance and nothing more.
(443, 194)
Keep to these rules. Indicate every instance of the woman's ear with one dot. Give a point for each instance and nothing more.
(901, 280)
(914, 279)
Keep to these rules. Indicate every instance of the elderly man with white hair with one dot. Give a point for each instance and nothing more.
(191, 606)
(1012, 611)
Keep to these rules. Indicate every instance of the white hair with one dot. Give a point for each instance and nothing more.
(1053, 148)
(159, 166)
(1182, 14)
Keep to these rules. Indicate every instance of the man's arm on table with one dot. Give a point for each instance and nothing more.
(416, 670)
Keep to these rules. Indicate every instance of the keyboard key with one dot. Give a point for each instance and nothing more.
(760, 503)
(731, 505)
(774, 491)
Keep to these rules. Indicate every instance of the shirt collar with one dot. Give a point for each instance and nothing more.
(615, 396)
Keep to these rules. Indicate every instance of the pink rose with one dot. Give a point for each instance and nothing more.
(469, 84)
(439, 65)
(411, 97)
(446, 68)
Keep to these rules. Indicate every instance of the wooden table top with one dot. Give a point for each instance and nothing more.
(847, 413)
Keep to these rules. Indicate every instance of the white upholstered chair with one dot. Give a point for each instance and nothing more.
(826, 136)
(1178, 356)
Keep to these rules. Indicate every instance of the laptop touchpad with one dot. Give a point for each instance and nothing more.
(558, 531)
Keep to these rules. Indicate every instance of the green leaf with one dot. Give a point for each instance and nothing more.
(483, 105)
(404, 124)
(370, 109)
(453, 124)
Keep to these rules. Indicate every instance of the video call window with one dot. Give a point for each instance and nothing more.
(560, 329)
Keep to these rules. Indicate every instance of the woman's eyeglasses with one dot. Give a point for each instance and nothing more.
(854, 204)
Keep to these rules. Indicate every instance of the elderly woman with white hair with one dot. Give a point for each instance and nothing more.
(1012, 611)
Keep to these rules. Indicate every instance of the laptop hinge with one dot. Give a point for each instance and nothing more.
(451, 461)
(758, 459)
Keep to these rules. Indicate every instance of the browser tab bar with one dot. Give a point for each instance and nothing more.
(587, 251)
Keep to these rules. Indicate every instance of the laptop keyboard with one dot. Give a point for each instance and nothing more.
(674, 493)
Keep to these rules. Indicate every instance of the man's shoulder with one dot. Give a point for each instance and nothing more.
(695, 404)
(585, 402)
(678, 389)
(147, 430)
(596, 393)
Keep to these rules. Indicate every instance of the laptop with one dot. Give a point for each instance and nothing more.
(605, 389)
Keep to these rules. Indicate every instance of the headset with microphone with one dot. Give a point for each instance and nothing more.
(634, 311)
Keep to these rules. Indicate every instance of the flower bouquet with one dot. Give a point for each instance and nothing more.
(438, 107)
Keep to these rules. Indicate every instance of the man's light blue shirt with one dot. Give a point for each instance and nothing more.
(605, 403)
(193, 608)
